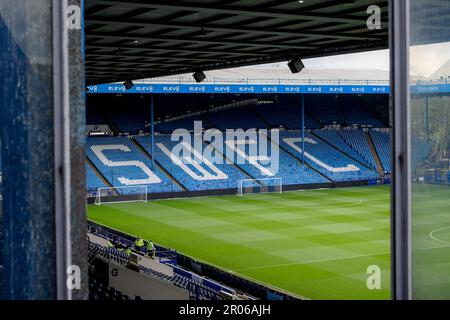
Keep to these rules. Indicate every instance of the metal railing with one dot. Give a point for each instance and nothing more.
(284, 81)
(275, 81)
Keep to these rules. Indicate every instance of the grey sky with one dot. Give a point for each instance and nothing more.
(425, 60)
(365, 60)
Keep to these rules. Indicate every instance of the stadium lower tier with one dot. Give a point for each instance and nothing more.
(223, 162)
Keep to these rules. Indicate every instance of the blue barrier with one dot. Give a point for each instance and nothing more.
(261, 88)
(206, 282)
(271, 296)
(236, 88)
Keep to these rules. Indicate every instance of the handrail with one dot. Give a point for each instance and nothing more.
(277, 81)
(214, 80)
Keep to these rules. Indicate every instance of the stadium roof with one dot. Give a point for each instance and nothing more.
(139, 39)
(443, 71)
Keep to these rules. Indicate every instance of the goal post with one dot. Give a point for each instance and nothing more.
(266, 185)
(121, 194)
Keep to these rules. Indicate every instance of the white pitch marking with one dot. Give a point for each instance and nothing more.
(335, 259)
(313, 261)
(437, 239)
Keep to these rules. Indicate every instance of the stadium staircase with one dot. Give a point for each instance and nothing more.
(167, 173)
(374, 154)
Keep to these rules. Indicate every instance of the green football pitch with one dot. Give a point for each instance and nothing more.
(316, 244)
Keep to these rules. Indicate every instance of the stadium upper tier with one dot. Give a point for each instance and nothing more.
(283, 112)
(227, 111)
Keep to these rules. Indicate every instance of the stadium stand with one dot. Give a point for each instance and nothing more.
(113, 254)
(244, 111)
(167, 127)
(193, 177)
(282, 112)
(132, 123)
(244, 118)
(211, 284)
(123, 164)
(289, 169)
(122, 114)
(356, 139)
(381, 140)
(334, 154)
(93, 181)
(198, 288)
(357, 114)
(340, 156)
(326, 159)
(327, 113)
(333, 137)
(99, 291)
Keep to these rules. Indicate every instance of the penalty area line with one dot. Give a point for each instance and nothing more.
(333, 259)
(314, 261)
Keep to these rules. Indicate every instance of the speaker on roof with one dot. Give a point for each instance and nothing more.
(296, 65)
(128, 84)
(199, 76)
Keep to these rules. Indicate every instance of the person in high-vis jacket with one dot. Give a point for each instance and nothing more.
(139, 243)
(151, 251)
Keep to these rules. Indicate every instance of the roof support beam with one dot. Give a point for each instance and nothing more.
(300, 14)
(105, 35)
(153, 48)
(147, 56)
(240, 29)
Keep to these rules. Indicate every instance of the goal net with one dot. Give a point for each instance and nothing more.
(267, 185)
(121, 194)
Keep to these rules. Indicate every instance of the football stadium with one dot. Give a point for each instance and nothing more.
(225, 150)
(320, 216)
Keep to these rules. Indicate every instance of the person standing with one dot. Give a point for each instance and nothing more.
(151, 251)
(139, 243)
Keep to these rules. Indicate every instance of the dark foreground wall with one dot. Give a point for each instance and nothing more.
(43, 159)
